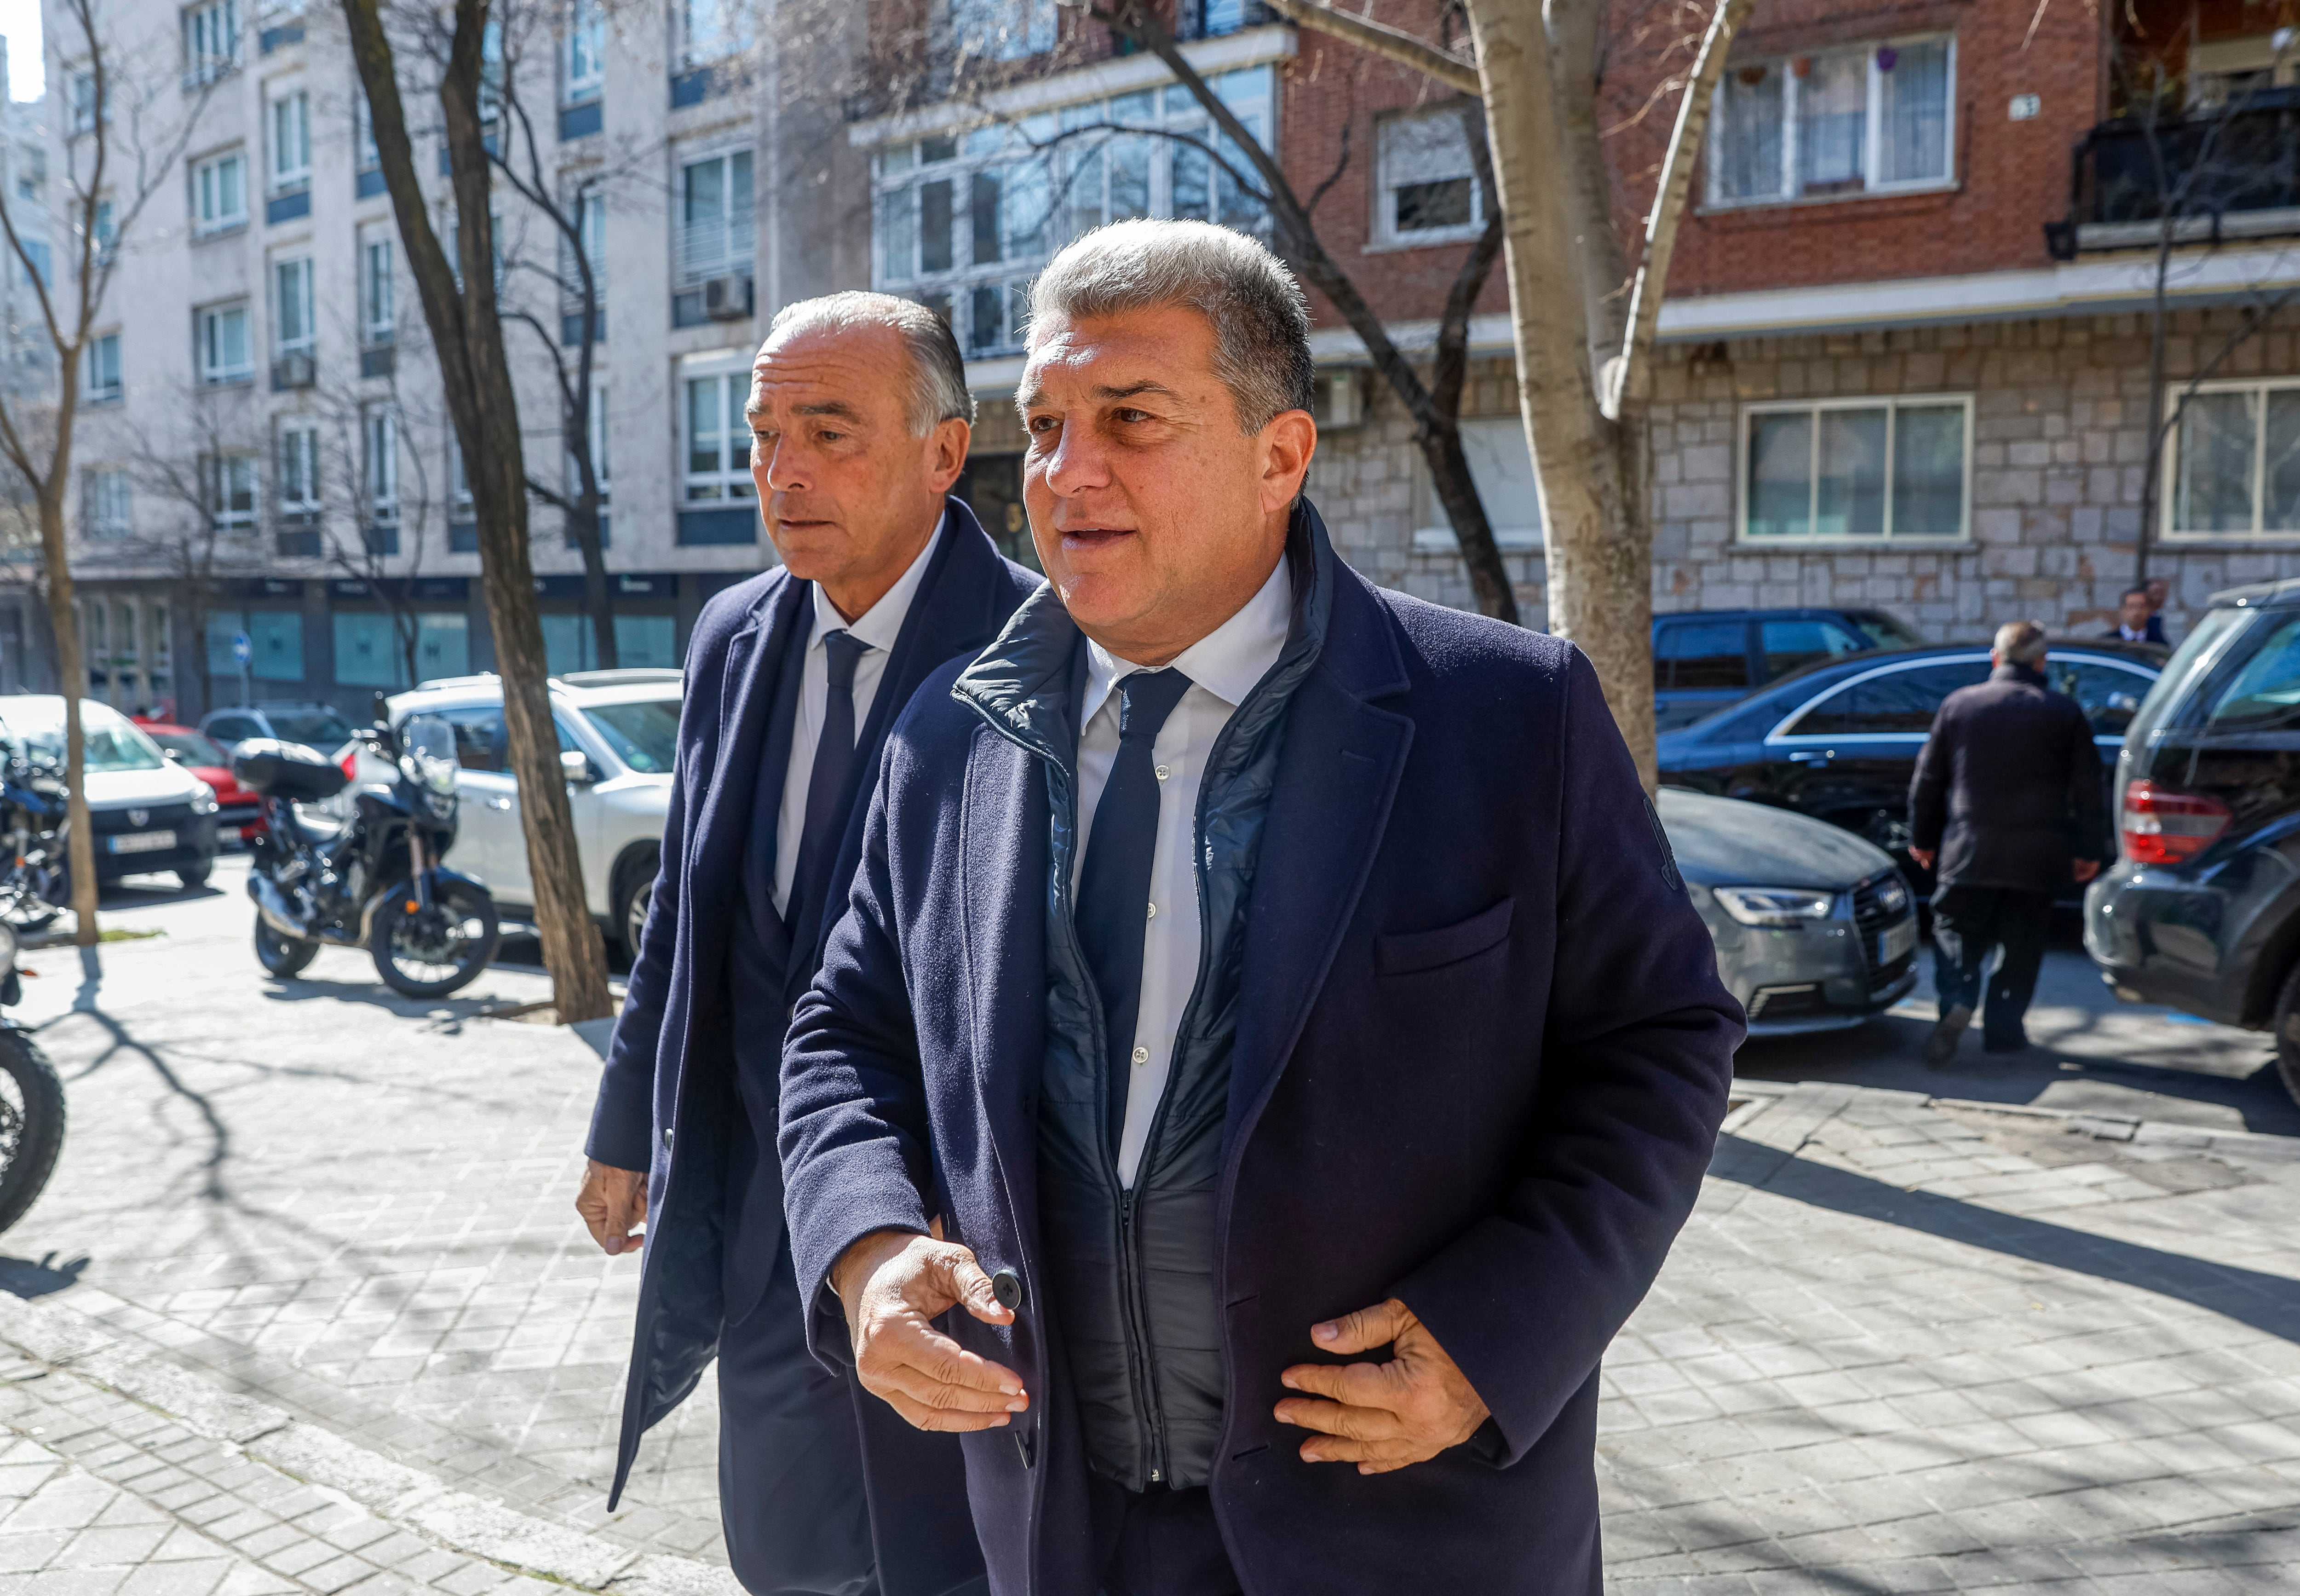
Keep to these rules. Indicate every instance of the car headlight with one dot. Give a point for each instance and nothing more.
(1788, 907)
(204, 799)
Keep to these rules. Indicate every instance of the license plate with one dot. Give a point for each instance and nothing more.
(1898, 940)
(144, 842)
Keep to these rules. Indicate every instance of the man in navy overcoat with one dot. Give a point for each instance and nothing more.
(860, 417)
(1269, 1050)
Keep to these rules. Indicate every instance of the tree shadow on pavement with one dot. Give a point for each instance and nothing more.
(2269, 1303)
(21, 1277)
(449, 1010)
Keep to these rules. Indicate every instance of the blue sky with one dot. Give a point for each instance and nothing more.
(19, 20)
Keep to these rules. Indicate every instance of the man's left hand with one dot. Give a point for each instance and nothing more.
(1381, 1416)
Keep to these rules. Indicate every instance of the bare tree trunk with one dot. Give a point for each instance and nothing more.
(79, 847)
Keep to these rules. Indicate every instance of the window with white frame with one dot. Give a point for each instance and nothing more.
(227, 484)
(364, 132)
(718, 232)
(210, 40)
(83, 102)
(104, 384)
(459, 481)
(375, 287)
(1427, 189)
(227, 354)
(1865, 118)
(963, 221)
(291, 142)
(713, 29)
(220, 192)
(1869, 469)
(718, 438)
(379, 463)
(1001, 30)
(494, 248)
(107, 229)
(292, 306)
(299, 469)
(587, 209)
(2234, 461)
(597, 430)
(586, 47)
(111, 503)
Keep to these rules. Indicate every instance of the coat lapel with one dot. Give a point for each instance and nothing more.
(747, 694)
(1003, 883)
(1337, 774)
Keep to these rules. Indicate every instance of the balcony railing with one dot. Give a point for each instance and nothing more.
(2230, 172)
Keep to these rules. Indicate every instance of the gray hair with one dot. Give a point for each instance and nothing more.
(2022, 642)
(1261, 321)
(938, 392)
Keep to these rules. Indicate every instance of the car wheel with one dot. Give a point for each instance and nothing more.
(634, 896)
(2288, 1034)
(195, 876)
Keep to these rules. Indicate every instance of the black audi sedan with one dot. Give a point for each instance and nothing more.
(1838, 740)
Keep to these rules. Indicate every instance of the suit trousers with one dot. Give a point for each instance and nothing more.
(1970, 923)
(1159, 1542)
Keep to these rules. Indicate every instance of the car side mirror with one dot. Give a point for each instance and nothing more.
(578, 767)
(174, 756)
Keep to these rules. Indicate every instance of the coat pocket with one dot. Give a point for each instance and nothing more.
(1403, 952)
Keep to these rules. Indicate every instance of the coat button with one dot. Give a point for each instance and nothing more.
(1006, 1286)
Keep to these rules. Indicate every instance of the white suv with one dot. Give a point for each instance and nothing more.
(625, 723)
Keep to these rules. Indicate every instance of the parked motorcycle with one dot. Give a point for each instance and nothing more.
(32, 882)
(31, 1102)
(374, 880)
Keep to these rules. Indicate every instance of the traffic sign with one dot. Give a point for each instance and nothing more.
(242, 649)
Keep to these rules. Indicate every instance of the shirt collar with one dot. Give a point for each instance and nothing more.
(882, 623)
(1228, 662)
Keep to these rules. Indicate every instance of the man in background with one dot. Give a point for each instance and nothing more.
(2006, 807)
(2136, 620)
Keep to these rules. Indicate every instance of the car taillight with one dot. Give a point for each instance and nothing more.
(2162, 826)
(349, 765)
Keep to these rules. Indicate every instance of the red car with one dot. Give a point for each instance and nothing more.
(239, 813)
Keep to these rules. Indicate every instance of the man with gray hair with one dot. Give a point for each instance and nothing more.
(2006, 807)
(859, 420)
(1267, 1012)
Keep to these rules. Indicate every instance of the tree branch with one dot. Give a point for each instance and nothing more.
(1379, 38)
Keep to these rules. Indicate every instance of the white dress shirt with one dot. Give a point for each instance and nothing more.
(878, 627)
(1223, 668)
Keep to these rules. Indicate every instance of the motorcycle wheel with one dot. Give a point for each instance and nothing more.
(28, 899)
(281, 956)
(31, 1123)
(430, 952)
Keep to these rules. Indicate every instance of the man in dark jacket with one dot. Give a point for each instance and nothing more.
(860, 415)
(2137, 617)
(1267, 1005)
(2007, 798)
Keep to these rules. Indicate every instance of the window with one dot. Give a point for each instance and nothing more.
(225, 352)
(375, 289)
(220, 193)
(291, 141)
(1001, 30)
(718, 438)
(104, 384)
(227, 484)
(291, 301)
(1893, 703)
(717, 235)
(2264, 695)
(598, 434)
(35, 264)
(961, 221)
(369, 652)
(715, 29)
(586, 39)
(1793, 644)
(379, 464)
(459, 481)
(1695, 655)
(1502, 468)
(363, 128)
(2110, 695)
(110, 502)
(210, 40)
(1871, 119)
(107, 228)
(83, 102)
(276, 642)
(299, 469)
(1867, 469)
(1429, 191)
(2235, 462)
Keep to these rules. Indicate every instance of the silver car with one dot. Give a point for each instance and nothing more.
(1815, 929)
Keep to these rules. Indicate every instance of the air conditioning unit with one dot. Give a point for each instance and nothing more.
(298, 371)
(727, 298)
(1338, 399)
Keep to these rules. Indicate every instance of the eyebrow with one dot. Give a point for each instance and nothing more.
(835, 407)
(1132, 390)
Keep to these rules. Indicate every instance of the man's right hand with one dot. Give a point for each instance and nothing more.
(893, 1284)
(613, 1203)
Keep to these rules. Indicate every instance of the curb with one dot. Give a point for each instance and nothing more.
(67, 1344)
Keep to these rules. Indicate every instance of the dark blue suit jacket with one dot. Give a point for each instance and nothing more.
(683, 1084)
(1481, 1057)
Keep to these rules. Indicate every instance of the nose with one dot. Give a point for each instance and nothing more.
(782, 471)
(1077, 464)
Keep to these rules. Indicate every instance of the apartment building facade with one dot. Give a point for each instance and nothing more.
(265, 466)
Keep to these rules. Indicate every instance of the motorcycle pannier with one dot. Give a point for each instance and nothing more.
(287, 770)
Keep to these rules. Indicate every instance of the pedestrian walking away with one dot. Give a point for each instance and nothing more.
(861, 419)
(1267, 1010)
(2005, 809)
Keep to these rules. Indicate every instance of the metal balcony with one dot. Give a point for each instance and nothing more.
(2232, 172)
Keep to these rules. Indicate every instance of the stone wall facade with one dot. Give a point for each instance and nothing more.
(2059, 448)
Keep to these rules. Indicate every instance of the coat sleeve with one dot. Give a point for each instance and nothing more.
(1928, 788)
(1636, 1058)
(854, 1137)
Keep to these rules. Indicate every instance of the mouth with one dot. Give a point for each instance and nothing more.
(1079, 539)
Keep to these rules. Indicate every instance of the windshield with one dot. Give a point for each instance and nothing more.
(35, 730)
(643, 734)
(191, 747)
(1884, 631)
(323, 729)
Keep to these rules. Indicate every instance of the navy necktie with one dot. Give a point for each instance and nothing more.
(1113, 893)
(834, 752)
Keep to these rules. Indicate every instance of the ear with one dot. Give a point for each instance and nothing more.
(947, 447)
(1287, 445)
